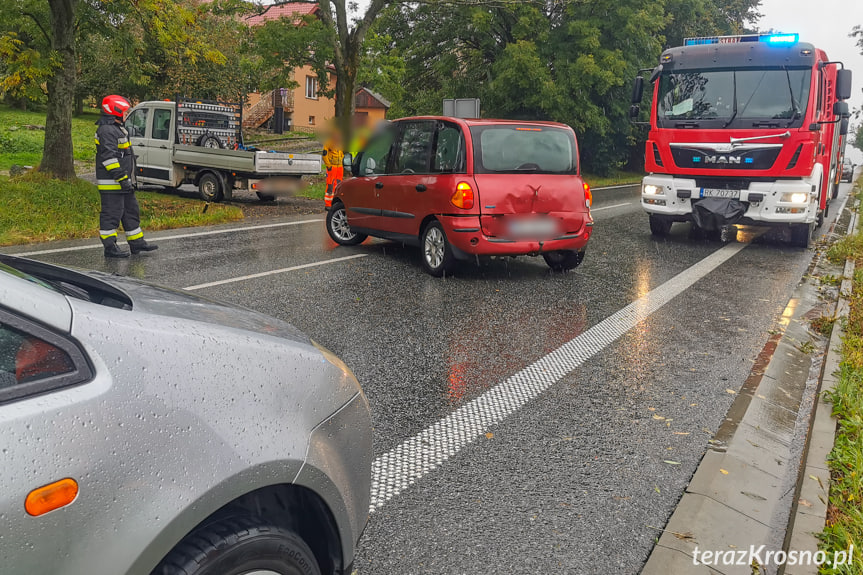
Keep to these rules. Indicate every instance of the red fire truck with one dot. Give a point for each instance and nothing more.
(743, 130)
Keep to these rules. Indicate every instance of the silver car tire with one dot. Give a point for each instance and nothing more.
(240, 547)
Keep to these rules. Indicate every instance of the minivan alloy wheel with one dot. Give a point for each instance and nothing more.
(434, 247)
(340, 225)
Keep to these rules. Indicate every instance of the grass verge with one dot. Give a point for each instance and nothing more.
(35, 208)
(845, 510)
(23, 146)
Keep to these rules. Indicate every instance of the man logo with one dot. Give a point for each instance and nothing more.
(724, 160)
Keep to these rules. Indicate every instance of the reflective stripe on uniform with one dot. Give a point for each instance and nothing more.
(111, 163)
(122, 178)
(135, 234)
(104, 187)
(123, 145)
(105, 234)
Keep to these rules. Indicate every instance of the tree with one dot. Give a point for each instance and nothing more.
(57, 157)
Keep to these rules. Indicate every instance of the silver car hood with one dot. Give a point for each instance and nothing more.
(157, 300)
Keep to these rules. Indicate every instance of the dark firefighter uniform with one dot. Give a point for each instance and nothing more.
(115, 162)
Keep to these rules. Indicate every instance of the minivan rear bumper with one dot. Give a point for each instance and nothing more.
(467, 239)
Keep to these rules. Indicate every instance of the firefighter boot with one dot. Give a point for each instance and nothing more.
(138, 246)
(112, 250)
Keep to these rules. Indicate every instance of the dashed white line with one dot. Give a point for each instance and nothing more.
(273, 272)
(610, 207)
(97, 245)
(398, 469)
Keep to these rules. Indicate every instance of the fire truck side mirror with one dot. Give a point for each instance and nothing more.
(843, 84)
(637, 91)
(634, 111)
(654, 76)
(814, 127)
(840, 110)
(843, 127)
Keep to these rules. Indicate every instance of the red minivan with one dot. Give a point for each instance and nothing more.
(464, 188)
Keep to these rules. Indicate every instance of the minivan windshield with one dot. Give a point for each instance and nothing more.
(743, 98)
(518, 148)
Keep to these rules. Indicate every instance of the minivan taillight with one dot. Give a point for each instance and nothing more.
(588, 195)
(463, 196)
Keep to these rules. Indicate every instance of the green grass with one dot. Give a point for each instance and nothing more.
(845, 511)
(315, 189)
(35, 208)
(21, 146)
(616, 179)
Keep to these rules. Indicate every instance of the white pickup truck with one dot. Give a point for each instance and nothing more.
(201, 143)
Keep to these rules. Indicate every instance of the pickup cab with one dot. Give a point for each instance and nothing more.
(201, 143)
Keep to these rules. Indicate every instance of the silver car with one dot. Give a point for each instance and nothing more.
(143, 430)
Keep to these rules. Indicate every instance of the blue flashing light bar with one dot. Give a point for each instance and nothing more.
(778, 39)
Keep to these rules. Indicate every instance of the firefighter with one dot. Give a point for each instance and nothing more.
(333, 160)
(115, 162)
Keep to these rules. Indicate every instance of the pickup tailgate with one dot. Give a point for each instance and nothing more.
(285, 163)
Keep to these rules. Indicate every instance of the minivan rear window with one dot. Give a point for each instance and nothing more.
(519, 148)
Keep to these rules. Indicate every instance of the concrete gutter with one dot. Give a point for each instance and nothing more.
(809, 514)
(745, 489)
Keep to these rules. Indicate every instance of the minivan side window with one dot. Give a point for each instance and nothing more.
(136, 123)
(376, 155)
(414, 151)
(450, 156)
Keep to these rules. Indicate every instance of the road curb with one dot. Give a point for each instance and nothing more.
(809, 514)
(744, 491)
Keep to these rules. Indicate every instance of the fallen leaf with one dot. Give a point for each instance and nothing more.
(656, 488)
(723, 472)
(687, 536)
(658, 417)
(681, 433)
(804, 503)
(651, 409)
(489, 435)
(731, 391)
(692, 404)
(669, 462)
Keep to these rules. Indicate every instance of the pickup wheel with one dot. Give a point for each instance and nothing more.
(564, 260)
(660, 226)
(339, 228)
(210, 188)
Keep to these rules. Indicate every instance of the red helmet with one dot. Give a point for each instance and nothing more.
(115, 105)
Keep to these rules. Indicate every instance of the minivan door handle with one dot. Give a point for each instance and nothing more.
(379, 185)
(421, 187)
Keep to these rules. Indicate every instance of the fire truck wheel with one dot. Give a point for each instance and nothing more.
(660, 225)
(801, 234)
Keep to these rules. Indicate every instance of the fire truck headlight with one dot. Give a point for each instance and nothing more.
(651, 190)
(797, 198)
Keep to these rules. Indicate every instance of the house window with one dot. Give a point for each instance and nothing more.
(311, 120)
(311, 87)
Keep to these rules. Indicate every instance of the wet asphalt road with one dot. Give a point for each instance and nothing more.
(577, 481)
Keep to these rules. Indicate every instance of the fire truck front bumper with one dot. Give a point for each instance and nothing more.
(762, 203)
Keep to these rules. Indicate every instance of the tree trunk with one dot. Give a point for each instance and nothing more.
(79, 105)
(57, 159)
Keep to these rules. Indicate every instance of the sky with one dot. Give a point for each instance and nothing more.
(827, 28)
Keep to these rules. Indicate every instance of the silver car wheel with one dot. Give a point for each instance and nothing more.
(340, 227)
(434, 247)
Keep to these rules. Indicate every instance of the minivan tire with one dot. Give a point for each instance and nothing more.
(240, 545)
(563, 260)
(339, 229)
(435, 250)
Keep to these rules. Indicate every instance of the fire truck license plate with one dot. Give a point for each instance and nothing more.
(714, 193)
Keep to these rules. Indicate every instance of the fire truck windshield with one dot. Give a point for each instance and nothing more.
(742, 98)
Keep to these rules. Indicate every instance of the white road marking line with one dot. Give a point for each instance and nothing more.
(96, 245)
(398, 469)
(610, 207)
(616, 187)
(273, 272)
